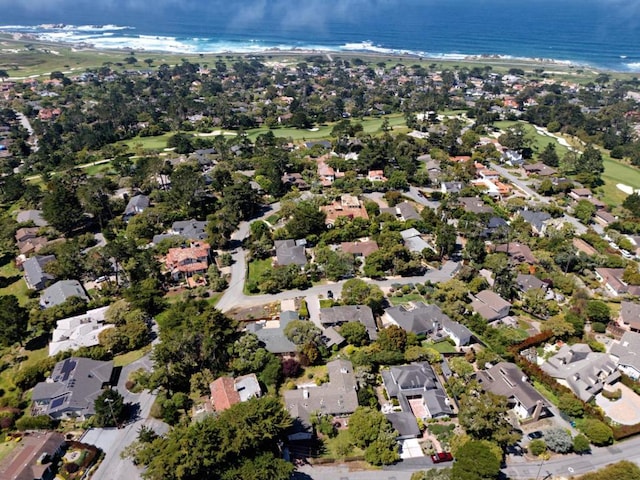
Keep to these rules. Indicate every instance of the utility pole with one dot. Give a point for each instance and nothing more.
(109, 401)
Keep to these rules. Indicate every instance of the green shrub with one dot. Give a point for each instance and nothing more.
(537, 447)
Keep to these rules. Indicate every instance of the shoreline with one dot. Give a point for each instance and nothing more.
(364, 49)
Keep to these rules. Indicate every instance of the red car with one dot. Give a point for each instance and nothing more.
(441, 457)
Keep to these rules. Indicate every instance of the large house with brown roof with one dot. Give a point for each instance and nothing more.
(348, 206)
(188, 261)
(490, 306)
(359, 249)
(630, 316)
(611, 279)
(227, 391)
(518, 251)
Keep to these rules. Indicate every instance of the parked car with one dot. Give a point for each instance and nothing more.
(535, 435)
(441, 457)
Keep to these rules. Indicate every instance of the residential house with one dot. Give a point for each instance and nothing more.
(583, 246)
(429, 320)
(626, 353)
(348, 206)
(537, 220)
(540, 169)
(34, 216)
(475, 205)
(190, 229)
(413, 240)
(34, 274)
(581, 194)
(290, 252)
(295, 180)
(35, 458)
(359, 249)
(376, 176)
(79, 331)
(630, 316)
(490, 306)
(583, 371)
(405, 424)
(604, 218)
(519, 252)
(335, 316)
(513, 158)
(72, 388)
(183, 262)
(137, 204)
(495, 226)
(227, 391)
(60, 292)
(418, 390)
(338, 397)
(452, 188)
(507, 380)
(271, 333)
(405, 211)
(611, 279)
(530, 282)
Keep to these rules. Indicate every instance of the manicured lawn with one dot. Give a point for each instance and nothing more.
(130, 357)
(326, 303)
(403, 300)
(441, 347)
(539, 141)
(17, 287)
(256, 269)
(95, 169)
(148, 143)
(616, 172)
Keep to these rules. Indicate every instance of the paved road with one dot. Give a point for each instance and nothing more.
(414, 194)
(237, 298)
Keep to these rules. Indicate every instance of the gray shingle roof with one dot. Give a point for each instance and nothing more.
(350, 313)
(290, 252)
(34, 274)
(137, 204)
(627, 350)
(535, 219)
(34, 216)
(274, 338)
(60, 292)
(74, 385)
(191, 229)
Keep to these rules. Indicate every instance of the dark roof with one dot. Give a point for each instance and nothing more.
(290, 252)
(34, 274)
(417, 379)
(191, 229)
(350, 313)
(136, 204)
(536, 219)
(274, 339)
(404, 423)
(60, 292)
(74, 385)
(507, 380)
(421, 319)
(337, 397)
(529, 282)
(407, 211)
(34, 216)
(475, 205)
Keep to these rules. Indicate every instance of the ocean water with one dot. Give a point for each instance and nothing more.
(599, 33)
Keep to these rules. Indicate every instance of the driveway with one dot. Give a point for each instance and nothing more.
(626, 410)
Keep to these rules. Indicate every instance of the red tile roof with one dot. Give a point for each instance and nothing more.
(223, 393)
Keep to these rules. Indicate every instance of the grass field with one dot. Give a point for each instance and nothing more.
(130, 357)
(442, 347)
(6, 448)
(17, 287)
(256, 269)
(403, 300)
(539, 141)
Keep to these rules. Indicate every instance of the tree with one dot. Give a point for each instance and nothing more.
(598, 432)
(393, 339)
(632, 203)
(623, 470)
(302, 332)
(549, 156)
(306, 220)
(598, 311)
(13, 321)
(433, 474)
(474, 461)
(569, 404)
(559, 326)
(515, 138)
(537, 447)
(355, 333)
(356, 291)
(484, 416)
(581, 444)
(61, 207)
(446, 239)
(558, 440)
(584, 211)
(371, 431)
(109, 408)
